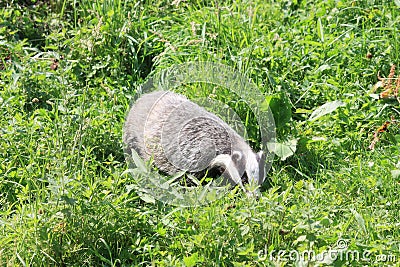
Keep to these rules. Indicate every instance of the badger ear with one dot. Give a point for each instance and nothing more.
(236, 156)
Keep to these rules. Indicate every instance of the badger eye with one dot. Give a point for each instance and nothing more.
(245, 178)
(216, 171)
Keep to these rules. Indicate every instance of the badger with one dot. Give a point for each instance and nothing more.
(179, 135)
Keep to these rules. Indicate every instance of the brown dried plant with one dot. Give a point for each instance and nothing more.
(383, 128)
(390, 89)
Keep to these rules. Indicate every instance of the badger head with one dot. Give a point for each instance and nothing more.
(241, 167)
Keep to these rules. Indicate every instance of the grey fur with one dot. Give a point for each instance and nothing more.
(180, 135)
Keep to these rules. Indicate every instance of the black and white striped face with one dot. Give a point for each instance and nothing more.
(250, 166)
(242, 167)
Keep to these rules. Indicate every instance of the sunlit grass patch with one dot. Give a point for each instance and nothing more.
(69, 70)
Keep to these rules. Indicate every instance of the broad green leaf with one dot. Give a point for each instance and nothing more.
(283, 150)
(146, 197)
(247, 250)
(280, 107)
(326, 108)
(138, 161)
(191, 260)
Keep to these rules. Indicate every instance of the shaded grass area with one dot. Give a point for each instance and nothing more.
(69, 71)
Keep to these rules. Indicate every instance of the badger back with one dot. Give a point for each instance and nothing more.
(176, 133)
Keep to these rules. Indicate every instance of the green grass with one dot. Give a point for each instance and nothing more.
(63, 192)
